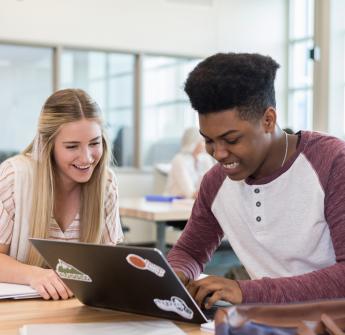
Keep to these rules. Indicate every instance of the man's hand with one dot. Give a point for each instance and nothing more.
(48, 284)
(216, 288)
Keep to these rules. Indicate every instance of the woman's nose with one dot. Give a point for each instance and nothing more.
(86, 156)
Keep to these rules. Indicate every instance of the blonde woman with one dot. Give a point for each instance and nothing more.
(60, 187)
(188, 166)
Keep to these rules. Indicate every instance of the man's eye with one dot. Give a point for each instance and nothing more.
(231, 141)
(71, 147)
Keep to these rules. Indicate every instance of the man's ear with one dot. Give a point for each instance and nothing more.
(269, 119)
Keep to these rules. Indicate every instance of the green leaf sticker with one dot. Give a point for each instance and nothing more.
(68, 271)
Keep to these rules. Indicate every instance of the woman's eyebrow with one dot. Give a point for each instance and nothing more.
(76, 142)
(96, 138)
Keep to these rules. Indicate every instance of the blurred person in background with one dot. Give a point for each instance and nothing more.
(188, 166)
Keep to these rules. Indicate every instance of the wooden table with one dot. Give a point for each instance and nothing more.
(16, 313)
(158, 212)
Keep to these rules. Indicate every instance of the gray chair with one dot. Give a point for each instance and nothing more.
(6, 154)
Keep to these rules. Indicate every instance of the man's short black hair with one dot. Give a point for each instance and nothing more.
(233, 80)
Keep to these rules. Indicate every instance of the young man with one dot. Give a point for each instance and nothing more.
(278, 198)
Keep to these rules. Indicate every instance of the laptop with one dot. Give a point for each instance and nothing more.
(125, 278)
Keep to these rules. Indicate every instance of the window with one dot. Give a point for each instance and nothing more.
(166, 110)
(300, 98)
(25, 82)
(109, 79)
(156, 120)
(336, 110)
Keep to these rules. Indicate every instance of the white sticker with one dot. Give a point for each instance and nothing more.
(144, 264)
(175, 304)
(68, 271)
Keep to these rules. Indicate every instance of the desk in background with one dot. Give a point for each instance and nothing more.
(158, 212)
(16, 313)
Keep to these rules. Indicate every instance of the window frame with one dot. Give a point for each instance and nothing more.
(57, 50)
(304, 88)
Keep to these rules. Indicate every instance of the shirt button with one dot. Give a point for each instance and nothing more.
(258, 218)
(258, 204)
(257, 190)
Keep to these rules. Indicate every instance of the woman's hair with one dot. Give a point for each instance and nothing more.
(190, 139)
(64, 106)
(233, 80)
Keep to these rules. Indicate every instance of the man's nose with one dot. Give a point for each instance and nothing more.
(219, 152)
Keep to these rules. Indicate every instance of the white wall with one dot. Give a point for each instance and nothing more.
(257, 26)
(140, 25)
(163, 26)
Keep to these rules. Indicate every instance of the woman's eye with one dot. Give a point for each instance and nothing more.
(94, 144)
(71, 147)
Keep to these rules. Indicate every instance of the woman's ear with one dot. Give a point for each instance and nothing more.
(269, 119)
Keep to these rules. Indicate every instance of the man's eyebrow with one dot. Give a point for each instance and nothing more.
(231, 131)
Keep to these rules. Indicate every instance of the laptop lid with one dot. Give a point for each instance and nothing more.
(126, 278)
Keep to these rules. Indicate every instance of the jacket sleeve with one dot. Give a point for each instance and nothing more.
(200, 238)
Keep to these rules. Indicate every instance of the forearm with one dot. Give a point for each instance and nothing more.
(200, 238)
(12, 271)
(181, 261)
(322, 284)
(190, 254)
(44, 281)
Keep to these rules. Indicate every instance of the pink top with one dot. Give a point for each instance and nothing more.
(111, 235)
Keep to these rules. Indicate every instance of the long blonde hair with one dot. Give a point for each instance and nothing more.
(61, 107)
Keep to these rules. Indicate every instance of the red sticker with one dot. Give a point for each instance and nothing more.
(144, 264)
(136, 261)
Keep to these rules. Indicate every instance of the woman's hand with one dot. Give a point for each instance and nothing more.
(48, 284)
(215, 288)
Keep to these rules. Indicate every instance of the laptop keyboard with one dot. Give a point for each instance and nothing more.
(209, 313)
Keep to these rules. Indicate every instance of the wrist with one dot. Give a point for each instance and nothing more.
(185, 280)
(29, 273)
(238, 293)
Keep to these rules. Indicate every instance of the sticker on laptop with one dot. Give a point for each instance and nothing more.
(175, 304)
(68, 271)
(144, 264)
